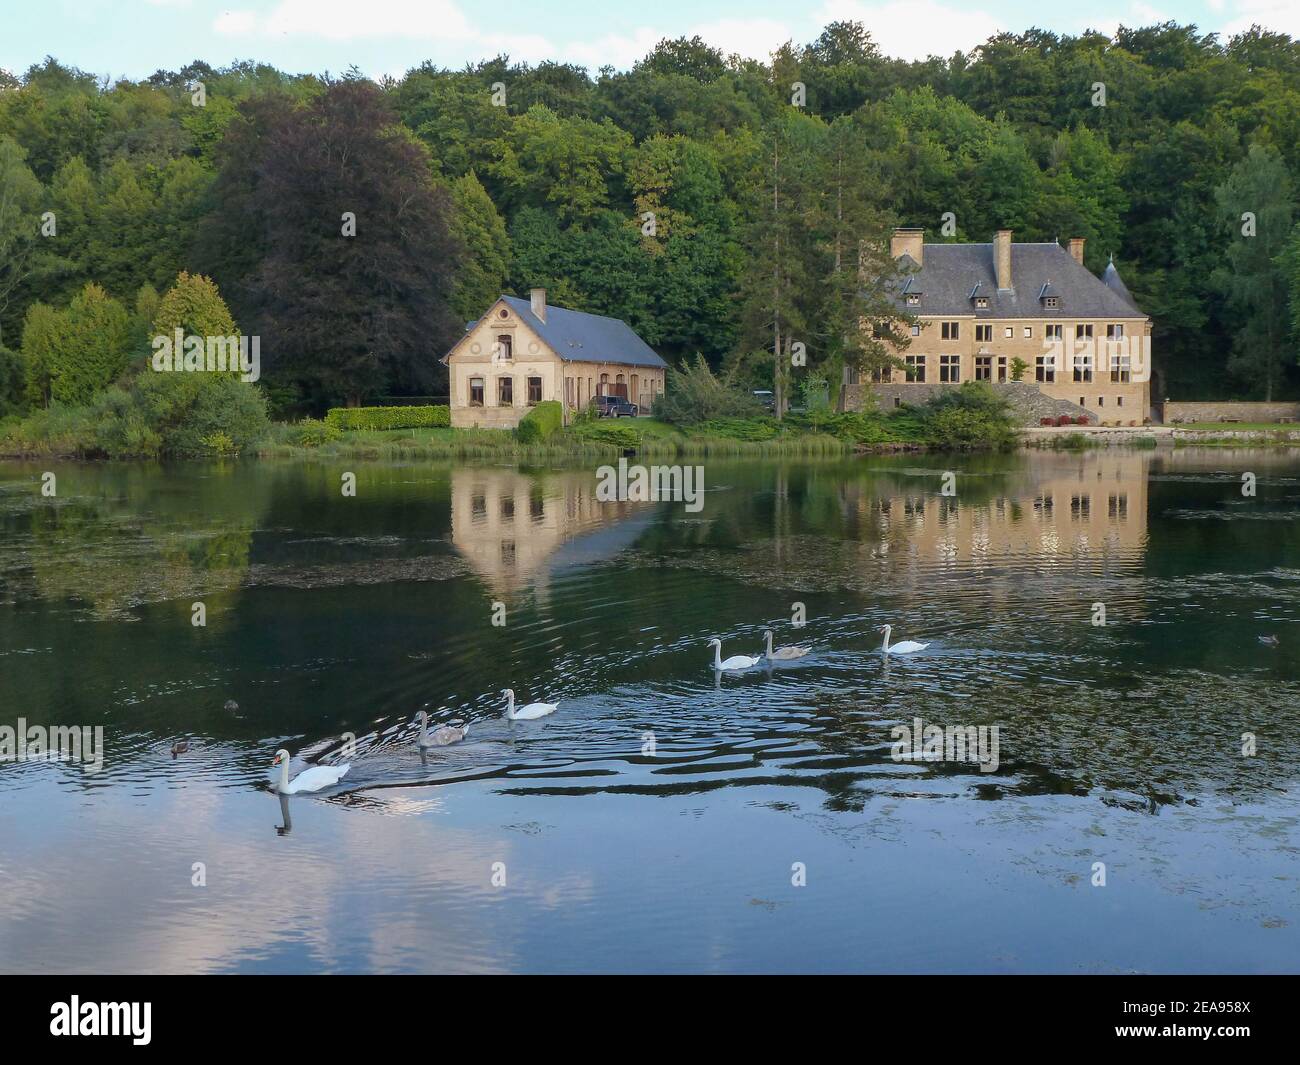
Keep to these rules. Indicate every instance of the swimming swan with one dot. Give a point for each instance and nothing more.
(442, 736)
(734, 662)
(526, 713)
(313, 779)
(903, 647)
(783, 654)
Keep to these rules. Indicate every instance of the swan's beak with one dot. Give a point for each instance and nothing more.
(275, 760)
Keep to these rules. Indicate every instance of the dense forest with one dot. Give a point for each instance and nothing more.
(715, 203)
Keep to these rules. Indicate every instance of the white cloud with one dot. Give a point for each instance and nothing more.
(749, 38)
(619, 50)
(350, 20)
(1280, 16)
(917, 29)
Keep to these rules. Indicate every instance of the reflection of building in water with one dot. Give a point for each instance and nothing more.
(514, 529)
(1065, 506)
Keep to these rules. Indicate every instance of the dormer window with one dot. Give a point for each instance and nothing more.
(1052, 301)
(913, 299)
(981, 301)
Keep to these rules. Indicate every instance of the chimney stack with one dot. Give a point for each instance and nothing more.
(907, 241)
(1076, 249)
(537, 297)
(1002, 259)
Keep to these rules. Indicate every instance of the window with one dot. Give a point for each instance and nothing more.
(505, 391)
(1082, 369)
(916, 330)
(983, 367)
(1052, 301)
(1080, 507)
(983, 334)
(1121, 368)
(476, 391)
(1082, 332)
(534, 391)
(1101, 401)
(1002, 367)
(1119, 401)
(1053, 332)
(478, 506)
(504, 350)
(507, 508)
(1115, 332)
(1045, 368)
(1029, 332)
(1009, 332)
(950, 368)
(1118, 505)
(951, 330)
(915, 367)
(981, 301)
(913, 299)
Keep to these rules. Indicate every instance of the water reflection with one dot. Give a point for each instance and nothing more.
(661, 796)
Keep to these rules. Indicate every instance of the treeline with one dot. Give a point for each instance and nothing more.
(717, 204)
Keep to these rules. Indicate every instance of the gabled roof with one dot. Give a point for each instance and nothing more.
(576, 336)
(953, 274)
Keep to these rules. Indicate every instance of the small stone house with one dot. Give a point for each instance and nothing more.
(522, 352)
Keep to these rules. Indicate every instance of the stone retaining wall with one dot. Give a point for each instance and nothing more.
(1234, 412)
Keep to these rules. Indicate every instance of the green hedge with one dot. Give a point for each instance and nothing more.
(540, 422)
(376, 418)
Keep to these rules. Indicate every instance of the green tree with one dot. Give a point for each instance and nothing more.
(94, 349)
(1256, 208)
(481, 230)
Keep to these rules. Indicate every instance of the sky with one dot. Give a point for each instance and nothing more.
(133, 38)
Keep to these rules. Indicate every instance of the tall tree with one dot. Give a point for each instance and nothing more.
(1256, 208)
(352, 294)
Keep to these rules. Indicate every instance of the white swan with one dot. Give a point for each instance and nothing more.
(903, 647)
(734, 662)
(783, 654)
(442, 736)
(313, 779)
(527, 713)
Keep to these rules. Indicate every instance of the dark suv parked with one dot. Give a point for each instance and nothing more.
(615, 407)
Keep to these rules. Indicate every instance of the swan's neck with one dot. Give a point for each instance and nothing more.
(510, 706)
(717, 655)
(769, 644)
(284, 775)
(424, 730)
(885, 645)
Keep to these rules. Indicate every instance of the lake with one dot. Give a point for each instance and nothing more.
(666, 818)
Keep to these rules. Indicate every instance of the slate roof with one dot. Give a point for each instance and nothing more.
(577, 336)
(1111, 279)
(953, 274)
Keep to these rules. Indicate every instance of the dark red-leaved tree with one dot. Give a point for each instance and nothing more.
(354, 253)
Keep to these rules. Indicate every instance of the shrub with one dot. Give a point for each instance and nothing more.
(694, 394)
(740, 428)
(181, 415)
(540, 422)
(606, 432)
(381, 418)
(311, 432)
(972, 416)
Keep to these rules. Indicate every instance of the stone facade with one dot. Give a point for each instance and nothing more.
(979, 308)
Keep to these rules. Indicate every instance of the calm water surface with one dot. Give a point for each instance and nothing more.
(326, 615)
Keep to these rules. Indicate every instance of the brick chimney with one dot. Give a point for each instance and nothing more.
(1002, 258)
(1076, 249)
(537, 297)
(907, 241)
